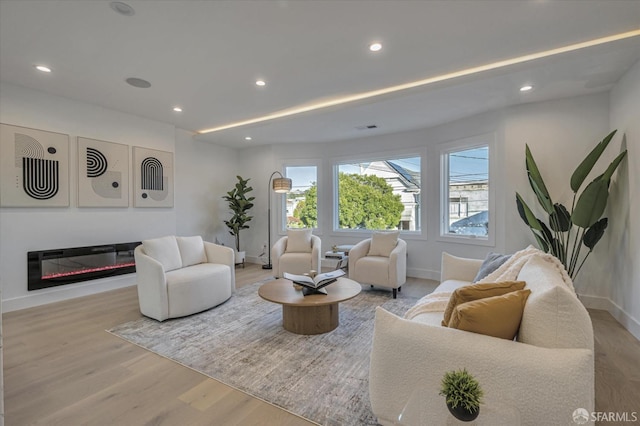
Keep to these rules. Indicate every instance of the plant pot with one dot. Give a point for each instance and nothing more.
(240, 256)
(462, 414)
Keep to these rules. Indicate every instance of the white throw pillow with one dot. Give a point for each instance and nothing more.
(191, 250)
(383, 243)
(299, 240)
(164, 250)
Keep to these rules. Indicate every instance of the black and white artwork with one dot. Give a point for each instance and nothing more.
(34, 167)
(153, 178)
(103, 173)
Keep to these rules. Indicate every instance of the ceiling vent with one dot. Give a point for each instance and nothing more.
(367, 127)
(138, 82)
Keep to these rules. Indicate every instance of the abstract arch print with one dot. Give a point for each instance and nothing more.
(103, 173)
(96, 163)
(34, 168)
(40, 177)
(151, 173)
(154, 178)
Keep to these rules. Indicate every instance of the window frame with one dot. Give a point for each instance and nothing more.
(336, 162)
(445, 149)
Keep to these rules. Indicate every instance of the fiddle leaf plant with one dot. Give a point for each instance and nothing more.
(239, 204)
(566, 231)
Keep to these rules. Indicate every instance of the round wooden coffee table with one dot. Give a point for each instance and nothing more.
(313, 314)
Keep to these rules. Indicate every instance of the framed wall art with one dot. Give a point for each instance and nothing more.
(153, 178)
(103, 173)
(34, 167)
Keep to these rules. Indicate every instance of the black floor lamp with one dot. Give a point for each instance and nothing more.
(281, 185)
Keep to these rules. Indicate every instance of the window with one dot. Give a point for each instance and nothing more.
(465, 206)
(302, 201)
(380, 194)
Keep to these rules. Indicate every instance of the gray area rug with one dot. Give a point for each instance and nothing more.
(324, 378)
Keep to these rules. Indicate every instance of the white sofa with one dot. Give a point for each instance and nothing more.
(179, 276)
(545, 374)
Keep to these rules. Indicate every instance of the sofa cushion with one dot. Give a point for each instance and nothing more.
(383, 243)
(165, 250)
(492, 262)
(479, 291)
(299, 240)
(191, 250)
(198, 287)
(295, 263)
(497, 316)
(553, 316)
(373, 270)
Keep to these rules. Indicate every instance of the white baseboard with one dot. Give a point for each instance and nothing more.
(58, 294)
(426, 274)
(606, 304)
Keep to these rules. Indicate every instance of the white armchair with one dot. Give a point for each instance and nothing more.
(297, 253)
(379, 261)
(179, 276)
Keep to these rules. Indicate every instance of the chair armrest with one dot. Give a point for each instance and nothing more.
(224, 256)
(358, 251)
(398, 264)
(278, 250)
(152, 286)
(458, 268)
(545, 384)
(316, 250)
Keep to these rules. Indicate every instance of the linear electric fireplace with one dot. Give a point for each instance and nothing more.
(49, 268)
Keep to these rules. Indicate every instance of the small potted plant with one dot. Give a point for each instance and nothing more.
(239, 205)
(463, 394)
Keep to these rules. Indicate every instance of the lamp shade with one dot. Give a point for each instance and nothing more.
(282, 185)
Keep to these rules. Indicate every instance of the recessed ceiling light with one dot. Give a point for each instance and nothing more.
(122, 8)
(138, 82)
(260, 83)
(247, 138)
(42, 68)
(177, 109)
(526, 88)
(374, 47)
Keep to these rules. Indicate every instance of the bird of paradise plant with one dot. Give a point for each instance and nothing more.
(568, 231)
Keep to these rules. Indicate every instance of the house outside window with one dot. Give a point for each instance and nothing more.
(301, 202)
(378, 194)
(466, 206)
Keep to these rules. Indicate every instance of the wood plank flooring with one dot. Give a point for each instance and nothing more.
(62, 368)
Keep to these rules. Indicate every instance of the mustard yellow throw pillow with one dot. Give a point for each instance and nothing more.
(479, 291)
(497, 316)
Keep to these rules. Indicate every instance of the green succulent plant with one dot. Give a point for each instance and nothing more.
(567, 231)
(239, 204)
(461, 389)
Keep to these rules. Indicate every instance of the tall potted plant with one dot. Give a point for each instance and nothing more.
(568, 231)
(239, 204)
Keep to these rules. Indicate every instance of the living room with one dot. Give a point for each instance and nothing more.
(560, 130)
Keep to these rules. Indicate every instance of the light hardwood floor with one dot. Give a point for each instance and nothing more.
(62, 368)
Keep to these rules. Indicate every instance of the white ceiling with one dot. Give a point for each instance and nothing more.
(206, 55)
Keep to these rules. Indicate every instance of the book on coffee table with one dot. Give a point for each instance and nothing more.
(317, 282)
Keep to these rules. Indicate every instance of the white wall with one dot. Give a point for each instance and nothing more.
(27, 229)
(623, 251)
(204, 173)
(559, 132)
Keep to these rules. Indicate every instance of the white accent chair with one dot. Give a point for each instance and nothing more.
(380, 261)
(297, 253)
(179, 276)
